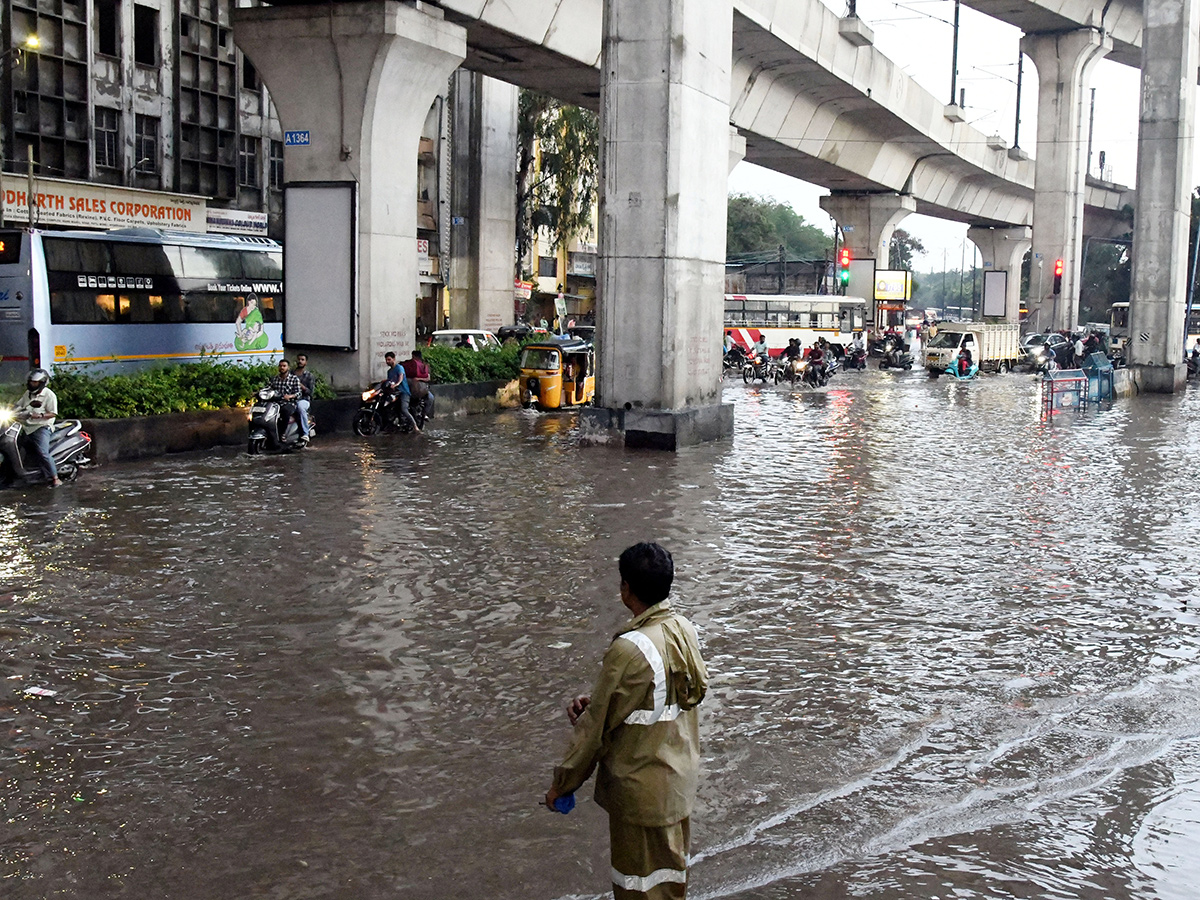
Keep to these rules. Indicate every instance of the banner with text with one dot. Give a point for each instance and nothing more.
(79, 204)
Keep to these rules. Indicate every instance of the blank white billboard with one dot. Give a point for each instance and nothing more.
(995, 293)
(320, 264)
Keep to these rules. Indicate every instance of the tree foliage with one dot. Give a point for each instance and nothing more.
(756, 226)
(558, 169)
(904, 249)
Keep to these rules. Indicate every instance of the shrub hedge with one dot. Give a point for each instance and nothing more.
(450, 365)
(179, 388)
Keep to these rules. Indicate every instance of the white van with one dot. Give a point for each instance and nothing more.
(476, 340)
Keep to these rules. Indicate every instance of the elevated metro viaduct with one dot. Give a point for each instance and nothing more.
(669, 79)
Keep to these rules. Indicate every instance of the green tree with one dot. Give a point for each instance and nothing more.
(1105, 279)
(558, 169)
(904, 249)
(758, 225)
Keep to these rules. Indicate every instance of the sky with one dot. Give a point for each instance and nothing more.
(918, 35)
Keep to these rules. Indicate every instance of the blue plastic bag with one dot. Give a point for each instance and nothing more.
(565, 803)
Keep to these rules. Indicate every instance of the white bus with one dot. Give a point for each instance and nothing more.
(781, 317)
(119, 300)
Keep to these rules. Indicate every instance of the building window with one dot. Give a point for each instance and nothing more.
(107, 34)
(108, 137)
(248, 161)
(145, 36)
(145, 146)
(276, 160)
(249, 75)
(547, 267)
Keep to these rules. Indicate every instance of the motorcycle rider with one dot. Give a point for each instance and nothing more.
(816, 360)
(36, 411)
(307, 383)
(396, 385)
(964, 361)
(417, 373)
(288, 386)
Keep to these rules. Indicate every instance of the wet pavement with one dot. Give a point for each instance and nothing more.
(953, 649)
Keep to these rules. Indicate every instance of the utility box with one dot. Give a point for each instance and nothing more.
(1099, 371)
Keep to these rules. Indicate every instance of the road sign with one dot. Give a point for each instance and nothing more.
(296, 139)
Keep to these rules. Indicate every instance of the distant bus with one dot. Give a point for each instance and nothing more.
(124, 299)
(781, 317)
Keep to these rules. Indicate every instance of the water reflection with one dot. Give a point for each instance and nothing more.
(953, 653)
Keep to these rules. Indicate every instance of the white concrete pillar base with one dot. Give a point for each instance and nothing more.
(660, 429)
(360, 77)
(1160, 379)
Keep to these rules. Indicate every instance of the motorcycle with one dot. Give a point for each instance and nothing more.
(733, 361)
(69, 445)
(1193, 365)
(269, 431)
(815, 376)
(856, 359)
(895, 356)
(1043, 360)
(762, 368)
(380, 411)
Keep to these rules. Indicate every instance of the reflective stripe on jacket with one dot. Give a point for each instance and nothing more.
(641, 727)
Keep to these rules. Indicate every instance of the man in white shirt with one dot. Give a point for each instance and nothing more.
(36, 410)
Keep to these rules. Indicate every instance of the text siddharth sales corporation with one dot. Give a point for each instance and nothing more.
(125, 208)
(70, 204)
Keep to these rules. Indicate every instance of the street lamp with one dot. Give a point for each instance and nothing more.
(137, 165)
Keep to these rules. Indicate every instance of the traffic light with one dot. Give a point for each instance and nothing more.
(1058, 267)
(845, 261)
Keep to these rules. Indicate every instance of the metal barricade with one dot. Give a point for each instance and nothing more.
(1064, 389)
(1099, 371)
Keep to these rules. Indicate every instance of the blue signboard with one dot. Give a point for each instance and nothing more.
(296, 139)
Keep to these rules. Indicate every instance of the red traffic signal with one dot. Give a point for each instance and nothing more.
(845, 258)
(1058, 272)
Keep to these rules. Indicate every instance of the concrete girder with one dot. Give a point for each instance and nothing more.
(1003, 250)
(1166, 141)
(360, 77)
(1064, 64)
(1120, 19)
(793, 47)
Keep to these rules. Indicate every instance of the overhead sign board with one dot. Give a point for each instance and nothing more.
(236, 221)
(80, 204)
(893, 284)
(296, 139)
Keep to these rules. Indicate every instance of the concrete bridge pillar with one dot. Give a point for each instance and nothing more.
(664, 119)
(359, 77)
(1064, 62)
(1003, 250)
(483, 202)
(1166, 139)
(868, 221)
(737, 148)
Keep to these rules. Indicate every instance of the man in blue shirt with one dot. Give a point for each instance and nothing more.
(397, 384)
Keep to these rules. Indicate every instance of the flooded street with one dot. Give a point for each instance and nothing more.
(953, 655)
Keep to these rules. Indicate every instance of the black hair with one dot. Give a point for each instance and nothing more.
(391, 353)
(648, 570)
(417, 355)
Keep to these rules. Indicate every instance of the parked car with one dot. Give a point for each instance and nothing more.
(476, 340)
(583, 332)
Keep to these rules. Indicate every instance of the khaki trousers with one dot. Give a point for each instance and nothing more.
(649, 863)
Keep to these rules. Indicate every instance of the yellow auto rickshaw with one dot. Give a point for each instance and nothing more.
(557, 374)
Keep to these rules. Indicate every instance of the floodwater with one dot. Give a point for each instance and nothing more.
(953, 654)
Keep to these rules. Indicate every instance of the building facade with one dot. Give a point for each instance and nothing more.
(151, 95)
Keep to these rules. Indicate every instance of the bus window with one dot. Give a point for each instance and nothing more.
(205, 262)
(76, 256)
(81, 308)
(203, 306)
(267, 266)
(10, 247)
(145, 259)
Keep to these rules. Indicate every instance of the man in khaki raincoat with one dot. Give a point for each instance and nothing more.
(640, 727)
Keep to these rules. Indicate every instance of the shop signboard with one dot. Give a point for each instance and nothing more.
(80, 204)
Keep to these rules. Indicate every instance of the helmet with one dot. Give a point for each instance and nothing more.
(37, 379)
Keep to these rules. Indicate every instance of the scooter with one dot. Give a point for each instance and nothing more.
(814, 376)
(69, 446)
(268, 433)
(856, 359)
(952, 371)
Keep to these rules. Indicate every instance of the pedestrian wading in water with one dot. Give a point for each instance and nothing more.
(639, 731)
